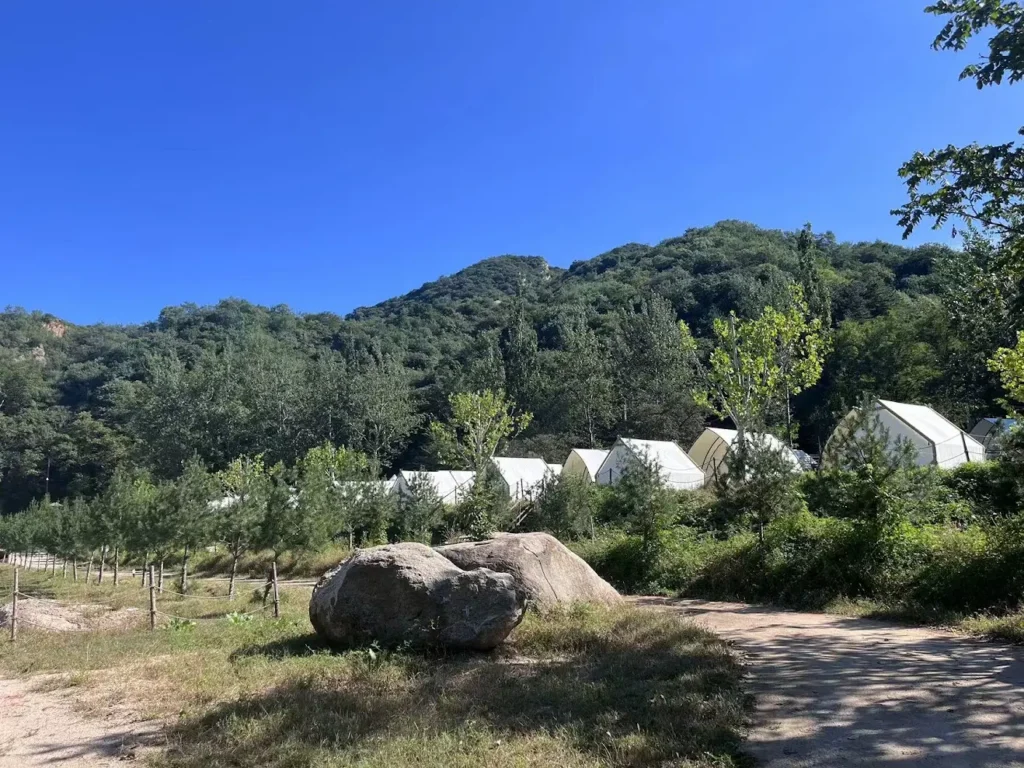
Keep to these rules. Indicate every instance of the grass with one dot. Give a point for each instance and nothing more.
(577, 687)
(291, 565)
(1005, 627)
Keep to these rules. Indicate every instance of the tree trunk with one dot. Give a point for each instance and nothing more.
(234, 569)
(184, 571)
(64, 569)
(103, 561)
(117, 566)
(145, 567)
(74, 570)
(88, 571)
(53, 566)
(160, 588)
(789, 419)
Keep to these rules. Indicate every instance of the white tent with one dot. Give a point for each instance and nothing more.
(584, 462)
(677, 469)
(990, 431)
(935, 439)
(710, 450)
(522, 478)
(451, 486)
(354, 489)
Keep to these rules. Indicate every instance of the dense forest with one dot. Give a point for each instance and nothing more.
(591, 351)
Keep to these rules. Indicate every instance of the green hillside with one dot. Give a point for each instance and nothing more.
(236, 378)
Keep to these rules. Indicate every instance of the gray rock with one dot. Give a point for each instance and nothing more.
(545, 570)
(409, 594)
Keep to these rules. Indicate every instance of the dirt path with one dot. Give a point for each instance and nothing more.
(43, 729)
(836, 691)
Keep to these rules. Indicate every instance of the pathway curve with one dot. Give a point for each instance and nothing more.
(838, 691)
(44, 729)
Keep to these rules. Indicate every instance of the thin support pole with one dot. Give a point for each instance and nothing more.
(277, 596)
(14, 609)
(152, 600)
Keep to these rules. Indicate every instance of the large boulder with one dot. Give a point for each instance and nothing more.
(545, 570)
(409, 594)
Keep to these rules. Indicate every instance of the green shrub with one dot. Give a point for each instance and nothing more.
(990, 487)
(616, 556)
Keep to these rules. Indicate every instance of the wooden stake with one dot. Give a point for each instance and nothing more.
(277, 596)
(14, 609)
(152, 600)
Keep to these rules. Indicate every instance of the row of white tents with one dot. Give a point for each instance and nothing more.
(935, 440)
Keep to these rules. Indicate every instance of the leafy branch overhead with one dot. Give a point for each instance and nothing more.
(980, 184)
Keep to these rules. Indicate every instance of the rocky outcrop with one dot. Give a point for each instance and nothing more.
(546, 572)
(409, 594)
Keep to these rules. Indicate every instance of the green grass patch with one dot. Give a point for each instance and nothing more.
(577, 687)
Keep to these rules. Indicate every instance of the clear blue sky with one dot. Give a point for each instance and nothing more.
(328, 155)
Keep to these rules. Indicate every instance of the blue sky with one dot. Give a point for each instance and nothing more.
(328, 155)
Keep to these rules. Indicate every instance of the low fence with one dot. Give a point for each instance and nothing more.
(161, 602)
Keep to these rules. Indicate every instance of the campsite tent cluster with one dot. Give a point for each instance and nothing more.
(934, 440)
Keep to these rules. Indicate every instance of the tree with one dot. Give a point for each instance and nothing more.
(980, 184)
(518, 346)
(419, 510)
(189, 512)
(758, 364)
(321, 477)
(651, 374)
(383, 409)
(760, 486)
(874, 462)
(566, 506)
(478, 423)
(241, 511)
(586, 384)
(816, 289)
(116, 516)
(982, 306)
(642, 501)
(287, 524)
(1009, 364)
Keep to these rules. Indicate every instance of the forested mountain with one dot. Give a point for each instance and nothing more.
(592, 351)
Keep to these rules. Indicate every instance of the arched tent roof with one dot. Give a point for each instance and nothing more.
(677, 469)
(989, 431)
(585, 462)
(935, 439)
(451, 486)
(522, 477)
(710, 450)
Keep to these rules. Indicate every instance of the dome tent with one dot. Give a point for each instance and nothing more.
(710, 451)
(450, 486)
(990, 432)
(677, 469)
(936, 441)
(523, 478)
(584, 462)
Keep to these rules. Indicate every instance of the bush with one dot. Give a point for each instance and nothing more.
(989, 487)
(759, 487)
(566, 507)
(616, 556)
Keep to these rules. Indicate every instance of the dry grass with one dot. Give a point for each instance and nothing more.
(580, 687)
(1007, 627)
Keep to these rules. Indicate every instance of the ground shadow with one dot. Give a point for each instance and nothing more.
(645, 700)
(855, 692)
